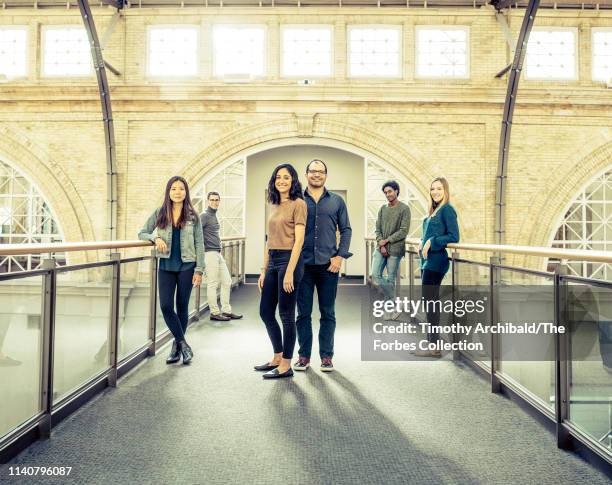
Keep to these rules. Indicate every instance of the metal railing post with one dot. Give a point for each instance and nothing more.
(562, 345)
(494, 281)
(114, 319)
(411, 278)
(242, 261)
(49, 294)
(366, 277)
(153, 305)
(454, 293)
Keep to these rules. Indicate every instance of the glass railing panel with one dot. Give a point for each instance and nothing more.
(20, 350)
(134, 307)
(589, 312)
(527, 359)
(469, 286)
(82, 323)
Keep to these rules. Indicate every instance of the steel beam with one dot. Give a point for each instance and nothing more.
(107, 115)
(506, 129)
(501, 4)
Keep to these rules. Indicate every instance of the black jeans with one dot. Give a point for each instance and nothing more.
(316, 275)
(431, 281)
(182, 282)
(273, 295)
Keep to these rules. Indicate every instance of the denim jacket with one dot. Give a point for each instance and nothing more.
(192, 241)
(440, 229)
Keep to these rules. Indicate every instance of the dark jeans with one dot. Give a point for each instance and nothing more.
(273, 295)
(182, 282)
(431, 281)
(316, 275)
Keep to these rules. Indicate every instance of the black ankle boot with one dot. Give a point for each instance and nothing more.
(175, 354)
(186, 352)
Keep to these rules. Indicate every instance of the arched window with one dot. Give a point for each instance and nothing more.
(376, 176)
(588, 225)
(230, 184)
(25, 218)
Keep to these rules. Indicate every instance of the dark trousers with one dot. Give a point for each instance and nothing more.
(326, 283)
(168, 283)
(431, 281)
(273, 295)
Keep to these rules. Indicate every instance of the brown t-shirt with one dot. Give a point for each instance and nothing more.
(282, 221)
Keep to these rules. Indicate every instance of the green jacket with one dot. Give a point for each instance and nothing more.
(393, 224)
(192, 240)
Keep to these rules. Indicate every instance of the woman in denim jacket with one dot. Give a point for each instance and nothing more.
(439, 229)
(177, 233)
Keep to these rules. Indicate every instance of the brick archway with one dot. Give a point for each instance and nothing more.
(54, 184)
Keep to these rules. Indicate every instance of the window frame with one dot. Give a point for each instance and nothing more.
(285, 27)
(198, 30)
(398, 28)
(593, 31)
(576, 76)
(44, 30)
(25, 29)
(263, 27)
(468, 52)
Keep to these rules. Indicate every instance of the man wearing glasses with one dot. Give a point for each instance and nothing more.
(323, 258)
(214, 265)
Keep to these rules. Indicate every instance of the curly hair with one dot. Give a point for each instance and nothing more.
(295, 192)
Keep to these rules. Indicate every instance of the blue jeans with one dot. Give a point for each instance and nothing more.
(385, 282)
(326, 282)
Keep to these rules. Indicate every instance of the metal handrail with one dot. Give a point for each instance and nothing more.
(13, 249)
(563, 254)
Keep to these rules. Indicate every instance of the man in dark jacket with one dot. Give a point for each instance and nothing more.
(323, 258)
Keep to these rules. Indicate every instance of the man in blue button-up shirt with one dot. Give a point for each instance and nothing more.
(323, 258)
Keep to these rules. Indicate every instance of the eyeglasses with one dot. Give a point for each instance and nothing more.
(317, 172)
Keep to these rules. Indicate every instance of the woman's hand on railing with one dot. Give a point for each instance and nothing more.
(197, 279)
(161, 245)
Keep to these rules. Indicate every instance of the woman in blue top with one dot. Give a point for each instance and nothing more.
(439, 229)
(176, 230)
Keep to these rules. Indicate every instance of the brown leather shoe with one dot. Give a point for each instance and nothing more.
(220, 317)
(232, 316)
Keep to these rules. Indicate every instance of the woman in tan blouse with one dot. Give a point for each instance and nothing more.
(283, 267)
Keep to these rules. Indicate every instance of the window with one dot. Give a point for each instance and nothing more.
(374, 52)
(588, 225)
(239, 50)
(66, 52)
(230, 184)
(442, 52)
(306, 51)
(551, 54)
(13, 45)
(602, 54)
(173, 51)
(25, 218)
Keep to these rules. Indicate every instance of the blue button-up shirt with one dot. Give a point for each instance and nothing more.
(324, 218)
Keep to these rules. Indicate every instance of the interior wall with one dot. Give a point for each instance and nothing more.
(345, 172)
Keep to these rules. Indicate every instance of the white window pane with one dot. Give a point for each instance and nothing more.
(307, 51)
(66, 52)
(239, 50)
(374, 52)
(442, 52)
(602, 55)
(551, 54)
(13, 45)
(173, 51)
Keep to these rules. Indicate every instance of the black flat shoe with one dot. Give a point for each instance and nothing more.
(265, 367)
(175, 354)
(274, 374)
(186, 352)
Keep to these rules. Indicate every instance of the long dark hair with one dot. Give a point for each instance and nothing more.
(164, 217)
(295, 192)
